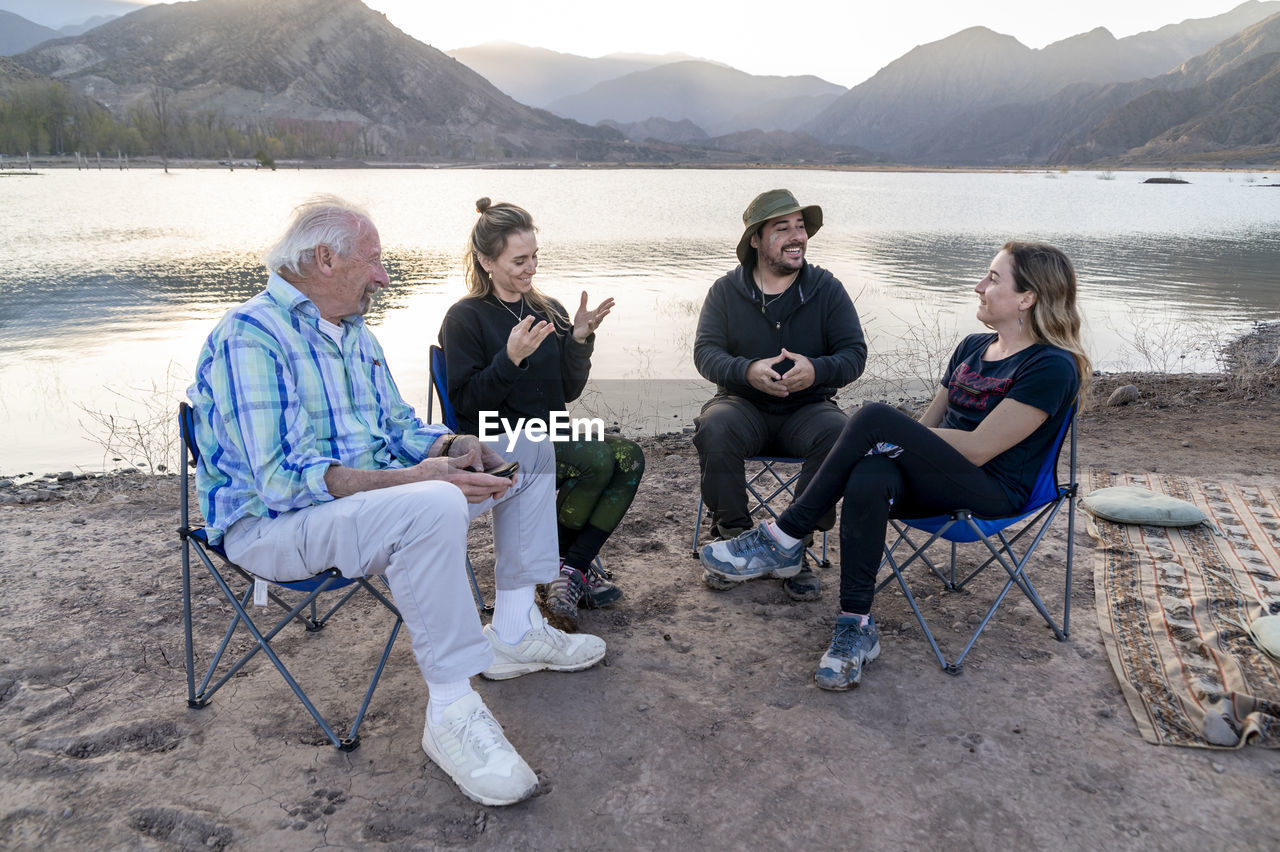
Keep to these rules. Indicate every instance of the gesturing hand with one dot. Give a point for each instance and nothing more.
(585, 322)
(762, 376)
(526, 337)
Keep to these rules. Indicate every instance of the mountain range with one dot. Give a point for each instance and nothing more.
(912, 109)
(67, 15)
(537, 76)
(26, 23)
(335, 64)
(1203, 90)
(17, 33)
(718, 99)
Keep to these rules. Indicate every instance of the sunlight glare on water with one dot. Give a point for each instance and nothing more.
(112, 279)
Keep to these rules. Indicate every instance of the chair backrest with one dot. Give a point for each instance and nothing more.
(1047, 487)
(187, 429)
(440, 383)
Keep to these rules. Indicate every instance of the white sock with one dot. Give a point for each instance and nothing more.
(781, 537)
(511, 614)
(862, 619)
(441, 695)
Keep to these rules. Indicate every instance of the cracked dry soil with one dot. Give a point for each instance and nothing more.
(703, 729)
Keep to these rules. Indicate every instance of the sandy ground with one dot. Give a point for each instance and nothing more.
(703, 729)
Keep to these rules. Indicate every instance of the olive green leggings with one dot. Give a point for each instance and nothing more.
(596, 482)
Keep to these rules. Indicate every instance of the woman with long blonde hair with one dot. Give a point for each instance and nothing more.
(511, 349)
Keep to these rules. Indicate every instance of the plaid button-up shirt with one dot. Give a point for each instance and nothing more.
(277, 401)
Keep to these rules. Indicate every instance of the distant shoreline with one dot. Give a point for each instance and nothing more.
(1251, 360)
(16, 166)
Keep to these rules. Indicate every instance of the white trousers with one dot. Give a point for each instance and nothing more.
(416, 535)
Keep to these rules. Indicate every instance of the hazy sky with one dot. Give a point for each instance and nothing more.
(844, 41)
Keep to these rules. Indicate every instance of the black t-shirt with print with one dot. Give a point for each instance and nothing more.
(1041, 376)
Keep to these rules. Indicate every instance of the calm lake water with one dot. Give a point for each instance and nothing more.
(111, 279)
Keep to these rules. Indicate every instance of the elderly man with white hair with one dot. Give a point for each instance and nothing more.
(310, 459)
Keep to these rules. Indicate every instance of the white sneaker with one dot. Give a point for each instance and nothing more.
(470, 747)
(542, 647)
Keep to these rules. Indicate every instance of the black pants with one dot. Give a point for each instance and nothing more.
(731, 428)
(929, 477)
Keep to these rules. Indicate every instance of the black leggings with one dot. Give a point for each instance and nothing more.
(929, 477)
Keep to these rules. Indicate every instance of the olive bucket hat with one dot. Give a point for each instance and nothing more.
(771, 205)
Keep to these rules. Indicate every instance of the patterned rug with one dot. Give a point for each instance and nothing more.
(1168, 605)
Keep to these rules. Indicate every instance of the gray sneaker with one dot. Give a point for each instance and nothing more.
(563, 597)
(711, 580)
(804, 586)
(470, 747)
(755, 553)
(852, 646)
(600, 590)
(715, 583)
(542, 648)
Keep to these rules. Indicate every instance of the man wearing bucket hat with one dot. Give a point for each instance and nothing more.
(778, 336)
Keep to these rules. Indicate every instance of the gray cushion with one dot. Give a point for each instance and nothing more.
(1129, 504)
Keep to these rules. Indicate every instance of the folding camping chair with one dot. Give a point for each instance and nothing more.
(440, 388)
(1047, 498)
(764, 502)
(195, 540)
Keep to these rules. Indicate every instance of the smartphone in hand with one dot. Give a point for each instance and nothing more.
(507, 470)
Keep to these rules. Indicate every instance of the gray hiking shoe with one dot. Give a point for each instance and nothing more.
(563, 595)
(755, 553)
(804, 586)
(852, 646)
(715, 583)
(721, 534)
(600, 590)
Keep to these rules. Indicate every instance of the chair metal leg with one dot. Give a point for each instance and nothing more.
(186, 612)
(697, 527)
(763, 502)
(1071, 538)
(475, 590)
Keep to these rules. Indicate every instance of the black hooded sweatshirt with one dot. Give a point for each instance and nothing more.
(814, 317)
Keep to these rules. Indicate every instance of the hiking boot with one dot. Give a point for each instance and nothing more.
(600, 590)
(804, 586)
(711, 580)
(563, 597)
(755, 553)
(470, 747)
(542, 647)
(852, 646)
(714, 582)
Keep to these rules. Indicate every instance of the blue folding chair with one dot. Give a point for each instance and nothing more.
(195, 540)
(764, 502)
(1047, 497)
(440, 386)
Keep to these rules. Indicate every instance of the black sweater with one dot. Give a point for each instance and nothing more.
(482, 378)
(817, 320)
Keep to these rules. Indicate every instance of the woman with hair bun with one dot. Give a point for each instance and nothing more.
(978, 446)
(512, 349)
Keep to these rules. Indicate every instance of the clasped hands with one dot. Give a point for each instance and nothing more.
(762, 376)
